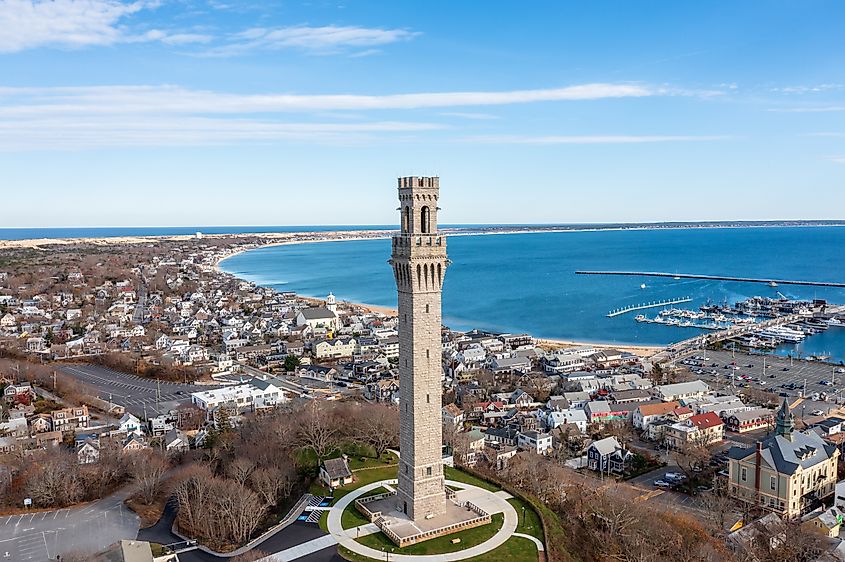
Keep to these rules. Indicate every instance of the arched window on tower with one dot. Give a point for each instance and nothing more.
(425, 220)
(406, 219)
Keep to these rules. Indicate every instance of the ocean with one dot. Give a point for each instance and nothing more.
(527, 283)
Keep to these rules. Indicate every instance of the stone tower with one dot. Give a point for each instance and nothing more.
(419, 265)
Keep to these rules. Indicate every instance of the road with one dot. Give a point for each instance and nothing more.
(138, 395)
(41, 536)
(141, 306)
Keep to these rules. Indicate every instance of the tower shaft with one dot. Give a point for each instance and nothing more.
(419, 265)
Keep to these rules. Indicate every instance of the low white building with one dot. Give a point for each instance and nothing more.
(686, 391)
(253, 395)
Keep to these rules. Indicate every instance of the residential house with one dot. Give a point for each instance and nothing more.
(175, 442)
(578, 418)
(645, 414)
(87, 448)
(335, 473)
(699, 430)
(68, 419)
(453, 416)
(130, 424)
(607, 456)
(750, 420)
(535, 442)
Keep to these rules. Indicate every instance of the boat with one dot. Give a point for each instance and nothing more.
(834, 322)
(642, 286)
(676, 278)
(772, 284)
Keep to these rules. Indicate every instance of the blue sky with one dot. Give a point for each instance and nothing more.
(221, 112)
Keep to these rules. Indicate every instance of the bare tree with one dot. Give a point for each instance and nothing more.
(147, 471)
(380, 427)
(316, 431)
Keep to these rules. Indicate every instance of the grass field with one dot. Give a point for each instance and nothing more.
(439, 545)
(529, 521)
(459, 476)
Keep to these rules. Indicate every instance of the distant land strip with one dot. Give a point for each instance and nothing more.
(713, 278)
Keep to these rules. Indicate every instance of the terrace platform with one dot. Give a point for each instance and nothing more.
(492, 502)
(459, 513)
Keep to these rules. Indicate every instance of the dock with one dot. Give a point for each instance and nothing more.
(714, 278)
(657, 304)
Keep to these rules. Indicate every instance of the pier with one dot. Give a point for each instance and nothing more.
(714, 278)
(657, 304)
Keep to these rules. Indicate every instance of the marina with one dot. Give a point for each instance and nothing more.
(658, 304)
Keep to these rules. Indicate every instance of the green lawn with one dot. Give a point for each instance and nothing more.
(529, 523)
(515, 549)
(439, 545)
(369, 471)
(351, 517)
(460, 476)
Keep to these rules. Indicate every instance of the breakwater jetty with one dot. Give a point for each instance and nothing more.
(714, 278)
(656, 304)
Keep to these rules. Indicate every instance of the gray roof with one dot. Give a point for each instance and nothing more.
(606, 446)
(337, 468)
(317, 313)
(806, 449)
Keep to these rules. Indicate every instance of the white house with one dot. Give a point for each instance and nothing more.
(535, 442)
(130, 424)
(577, 418)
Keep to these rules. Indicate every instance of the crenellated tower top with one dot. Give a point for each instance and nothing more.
(418, 198)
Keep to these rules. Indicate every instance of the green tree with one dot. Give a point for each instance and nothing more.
(291, 362)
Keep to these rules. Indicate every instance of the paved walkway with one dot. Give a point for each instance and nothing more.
(535, 540)
(300, 550)
(492, 502)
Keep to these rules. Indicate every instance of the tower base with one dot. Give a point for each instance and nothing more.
(403, 531)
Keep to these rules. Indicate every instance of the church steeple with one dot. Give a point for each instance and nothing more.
(785, 421)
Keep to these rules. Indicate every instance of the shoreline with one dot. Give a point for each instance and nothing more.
(639, 350)
(304, 237)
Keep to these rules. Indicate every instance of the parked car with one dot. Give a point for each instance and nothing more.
(662, 484)
(817, 413)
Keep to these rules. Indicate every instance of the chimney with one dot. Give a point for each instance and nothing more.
(758, 461)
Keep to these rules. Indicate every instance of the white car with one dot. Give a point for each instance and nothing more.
(817, 413)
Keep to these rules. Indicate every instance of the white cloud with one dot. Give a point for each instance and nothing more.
(21, 102)
(810, 109)
(88, 132)
(591, 139)
(328, 39)
(83, 117)
(29, 24)
(837, 159)
(470, 115)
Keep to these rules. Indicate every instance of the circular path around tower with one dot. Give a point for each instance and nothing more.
(345, 538)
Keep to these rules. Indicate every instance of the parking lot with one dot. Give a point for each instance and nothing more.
(730, 368)
(42, 536)
(136, 394)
